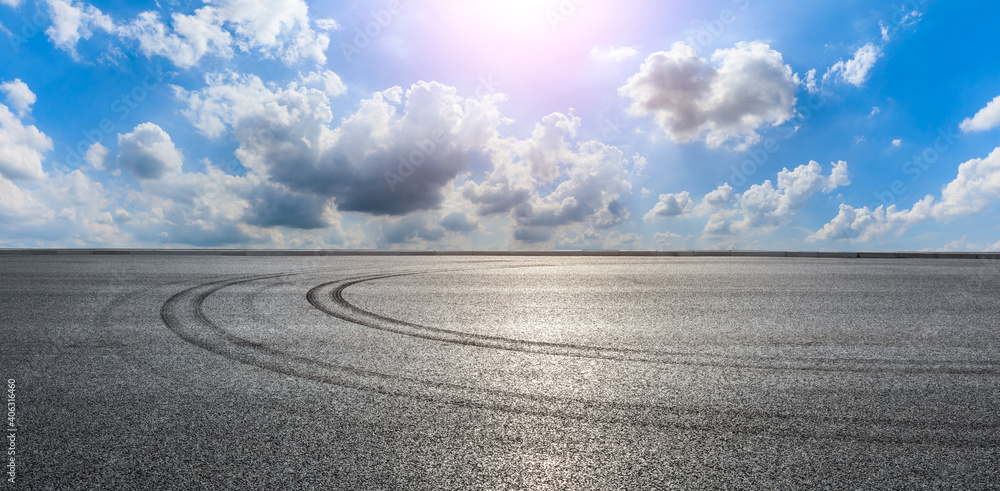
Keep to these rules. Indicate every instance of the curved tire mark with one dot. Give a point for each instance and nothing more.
(329, 298)
(183, 314)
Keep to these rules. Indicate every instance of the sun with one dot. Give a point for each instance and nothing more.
(535, 45)
(527, 12)
(511, 17)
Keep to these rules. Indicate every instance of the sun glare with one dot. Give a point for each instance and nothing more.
(509, 17)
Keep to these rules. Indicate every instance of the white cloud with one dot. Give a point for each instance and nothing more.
(61, 210)
(810, 81)
(721, 196)
(11, 3)
(96, 156)
(682, 206)
(547, 183)
(639, 163)
(614, 54)
(670, 205)
(327, 24)
(275, 28)
(148, 153)
(767, 206)
(194, 36)
(19, 207)
(884, 30)
(21, 147)
(595, 180)
(73, 20)
(19, 96)
(668, 239)
(864, 224)
(897, 143)
(745, 88)
(986, 119)
(269, 28)
(328, 81)
(975, 188)
(856, 70)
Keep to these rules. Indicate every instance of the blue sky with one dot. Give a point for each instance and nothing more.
(517, 124)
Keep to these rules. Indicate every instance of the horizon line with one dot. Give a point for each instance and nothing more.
(568, 253)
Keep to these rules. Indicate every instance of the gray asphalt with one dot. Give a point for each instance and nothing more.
(502, 372)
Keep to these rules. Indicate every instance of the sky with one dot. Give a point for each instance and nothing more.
(500, 124)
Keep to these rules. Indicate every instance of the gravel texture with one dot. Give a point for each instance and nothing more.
(365, 372)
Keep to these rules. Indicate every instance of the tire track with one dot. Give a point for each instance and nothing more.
(329, 298)
(183, 314)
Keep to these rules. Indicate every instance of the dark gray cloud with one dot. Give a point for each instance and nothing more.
(395, 155)
(407, 230)
(271, 206)
(459, 222)
(533, 235)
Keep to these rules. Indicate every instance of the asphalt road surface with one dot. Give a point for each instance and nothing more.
(493, 373)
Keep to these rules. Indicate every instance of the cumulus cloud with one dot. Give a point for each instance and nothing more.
(209, 208)
(21, 147)
(273, 205)
(408, 230)
(861, 225)
(671, 205)
(326, 80)
(19, 207)
(148, 153)
(395, 155)
(721, 196)
(272, 29)
(19, 96)
(986, 119)
(615, 54)
(193, 36)
(768, 206)
(96, 156)
(726, 101)
(61, 210)
(459, 222)
(278, 28)
(73, 20)
(976, 187)
(681, 205)
(546, 181)
(595, 181)
(856, 70)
